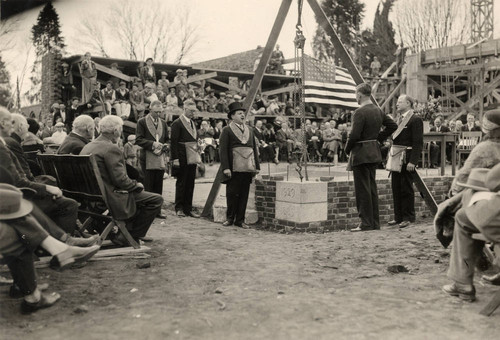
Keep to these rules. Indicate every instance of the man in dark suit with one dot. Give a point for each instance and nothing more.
(49, 198)
(435, 148)
(19, 131)
(411, 136)
(363, 146)
(471, 124)
(81, 135)
(152, 136)
(127, 199)
(184, 141)
(239, 162)
(265, 150)
(74, 110)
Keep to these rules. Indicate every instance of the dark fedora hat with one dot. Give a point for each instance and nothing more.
(233, 107)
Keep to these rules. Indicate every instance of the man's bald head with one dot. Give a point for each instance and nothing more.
(5, 122)
(19, 124)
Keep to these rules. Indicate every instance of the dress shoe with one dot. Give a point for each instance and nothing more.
(192, 214)
(464, 294)
(227, 223)
(83, 242)
(243, 226)
(15, 292)
(161, 216)
(44, 302)
(146, 239)
(404, 224)
(393, 222)
(492, 279)
(180, 214)
(357, 229)
(72, 255)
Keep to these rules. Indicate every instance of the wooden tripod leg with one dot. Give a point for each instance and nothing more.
(85, 224)
(121, 225)
(106, 231)
(492, 305)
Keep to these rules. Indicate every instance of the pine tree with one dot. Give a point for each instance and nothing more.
(345, 16)
(46, 37)
(5, 91)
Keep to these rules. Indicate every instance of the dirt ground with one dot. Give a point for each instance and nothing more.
(207, 281)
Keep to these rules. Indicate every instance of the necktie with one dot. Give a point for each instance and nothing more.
(399, 119)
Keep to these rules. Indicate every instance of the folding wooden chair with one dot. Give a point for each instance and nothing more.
(79, 178)
(468, 140)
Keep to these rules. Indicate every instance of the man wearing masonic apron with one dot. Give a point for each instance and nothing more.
(239, 162)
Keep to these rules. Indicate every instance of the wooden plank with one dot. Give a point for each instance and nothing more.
(478, 96)
(252, 92)
(227, 86)
(340, 49)
(113, 73)
(485, 49)
(492, 305)
(393, 93)
(290, 88)
(197, 77)
(384, 76)
(451, 95)
(424, 192)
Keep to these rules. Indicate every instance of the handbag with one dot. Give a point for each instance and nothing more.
(396, 158)
(243, 159)
(192, 155)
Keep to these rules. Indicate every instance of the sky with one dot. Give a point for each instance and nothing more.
(225, 27)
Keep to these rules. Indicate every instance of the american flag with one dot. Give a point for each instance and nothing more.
(325, 83)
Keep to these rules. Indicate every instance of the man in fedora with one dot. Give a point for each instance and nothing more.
(478, 213)
(185, 157)
(164, 81)
(239, 162)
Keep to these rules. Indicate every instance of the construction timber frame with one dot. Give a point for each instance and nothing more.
(266, 55)
(466, 77)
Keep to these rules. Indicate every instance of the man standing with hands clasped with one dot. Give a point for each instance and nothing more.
(239, 162)
(185, 157)
(363, 146)
(408, 141)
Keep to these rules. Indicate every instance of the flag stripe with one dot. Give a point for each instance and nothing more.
(346, 95)
(326, 84)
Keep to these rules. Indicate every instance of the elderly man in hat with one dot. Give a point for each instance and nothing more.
(485, 154)
(122, 100)
(152, 136)
(81, 135)
(185, 156)
(128, 201)
(479, 212)
(148, 72)
(88, 72)
(239, 162)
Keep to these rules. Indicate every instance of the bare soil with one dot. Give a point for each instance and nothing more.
(207, 281)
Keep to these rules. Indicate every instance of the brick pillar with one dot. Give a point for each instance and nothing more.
(51, 74)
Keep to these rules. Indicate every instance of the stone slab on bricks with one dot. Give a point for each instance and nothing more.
(305, 192)
(301, 212)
